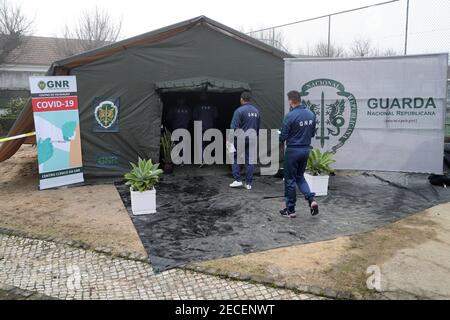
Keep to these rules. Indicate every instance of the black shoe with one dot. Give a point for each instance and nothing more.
(314, 208)
(288, 214)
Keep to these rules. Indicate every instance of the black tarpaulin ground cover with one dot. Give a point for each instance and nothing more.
(200, 218)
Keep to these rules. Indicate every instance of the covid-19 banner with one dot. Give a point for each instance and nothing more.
(376, 113)
(57, 124)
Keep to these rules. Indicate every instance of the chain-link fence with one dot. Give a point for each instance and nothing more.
(388, 28)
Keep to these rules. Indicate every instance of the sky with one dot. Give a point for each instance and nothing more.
(430, 26)
(139, 16)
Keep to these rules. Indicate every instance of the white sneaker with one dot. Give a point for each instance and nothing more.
(248, 187)
(236, 184)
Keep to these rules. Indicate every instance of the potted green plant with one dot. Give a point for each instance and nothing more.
(142, 180)
(319, 170)
(167, 145)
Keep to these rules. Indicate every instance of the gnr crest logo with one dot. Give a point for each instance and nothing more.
(42, 85)
(336, 111)
(106, 114)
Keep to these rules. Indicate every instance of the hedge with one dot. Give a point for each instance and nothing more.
(5, 125)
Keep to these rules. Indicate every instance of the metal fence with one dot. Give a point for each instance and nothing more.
(388, 28)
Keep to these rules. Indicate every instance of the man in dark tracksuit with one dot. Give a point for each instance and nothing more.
(207, 114)
(179, 116)
(299, 127)
(246, 117)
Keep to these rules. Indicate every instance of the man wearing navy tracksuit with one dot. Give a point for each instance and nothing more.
(207, 114)
(299, 127)
(179, 116)
(246, 117)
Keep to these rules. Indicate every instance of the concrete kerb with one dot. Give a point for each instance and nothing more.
(272, 282)
(77, 244)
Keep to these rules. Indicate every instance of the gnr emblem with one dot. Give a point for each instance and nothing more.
(336, 111)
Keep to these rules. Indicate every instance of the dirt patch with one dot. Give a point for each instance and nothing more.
(295, 264)
(422, 270)
(377, 247)
(91, 214)
(341, 264)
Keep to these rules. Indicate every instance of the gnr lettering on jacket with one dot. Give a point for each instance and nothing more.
(306, 123)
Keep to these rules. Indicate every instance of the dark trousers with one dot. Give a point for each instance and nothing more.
(204, 143)
(295, 160)
(250, 168)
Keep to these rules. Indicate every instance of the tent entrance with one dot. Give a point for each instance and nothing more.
(226, 104)
(223, 94)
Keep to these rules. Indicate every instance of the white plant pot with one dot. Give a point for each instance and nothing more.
(143, 202)
(318, 184)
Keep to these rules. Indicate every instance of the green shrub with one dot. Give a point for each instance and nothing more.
(14, 107)
(5, 125)
(144, 176)
(320, 163)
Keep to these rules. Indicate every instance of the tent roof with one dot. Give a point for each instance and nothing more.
(157, 36)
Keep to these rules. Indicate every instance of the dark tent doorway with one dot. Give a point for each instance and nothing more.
(223, 94)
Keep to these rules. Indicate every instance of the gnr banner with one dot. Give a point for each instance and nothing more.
(384, 113)
(57, 124)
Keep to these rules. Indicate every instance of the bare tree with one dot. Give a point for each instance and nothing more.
(389, 52)
(305, 50)
(321, 49)
(362, 48)
(14, 27)
(273, 37)
(94, 29)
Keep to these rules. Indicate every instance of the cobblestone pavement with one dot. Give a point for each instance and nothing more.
(65, 272)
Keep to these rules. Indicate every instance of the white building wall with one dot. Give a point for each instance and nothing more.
(16, 77)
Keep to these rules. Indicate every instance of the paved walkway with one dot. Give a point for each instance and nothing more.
(65, 272)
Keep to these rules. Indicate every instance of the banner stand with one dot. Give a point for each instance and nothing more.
(56, 119)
